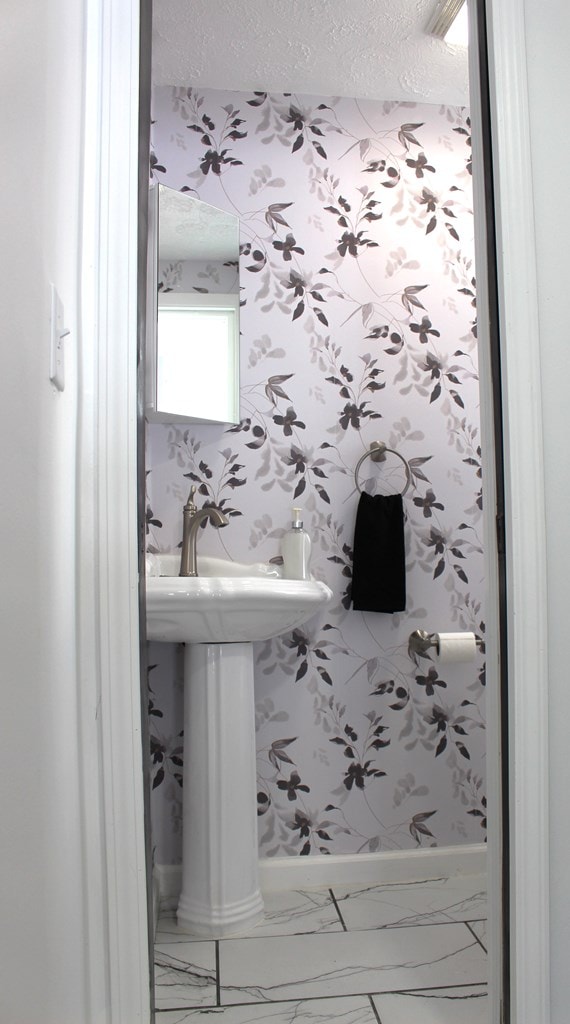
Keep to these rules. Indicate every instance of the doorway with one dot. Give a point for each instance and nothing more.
(435, 394)
(527, 644)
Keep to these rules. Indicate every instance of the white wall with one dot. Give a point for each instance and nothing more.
(74, 945)
(548, 32)
(41, 946)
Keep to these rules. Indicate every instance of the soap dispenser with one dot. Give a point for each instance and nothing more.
(296, 550)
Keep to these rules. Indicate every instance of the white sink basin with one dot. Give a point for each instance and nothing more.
(228, 602)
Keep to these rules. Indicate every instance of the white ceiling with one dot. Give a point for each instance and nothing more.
(363, 48)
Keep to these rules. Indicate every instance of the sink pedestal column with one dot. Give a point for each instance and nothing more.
(220, 878)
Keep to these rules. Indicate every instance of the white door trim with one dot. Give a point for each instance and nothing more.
(525, 515)
(116, 942)
(492, 597)
(107, 586)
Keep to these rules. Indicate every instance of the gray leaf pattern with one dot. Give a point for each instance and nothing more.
(358, 323)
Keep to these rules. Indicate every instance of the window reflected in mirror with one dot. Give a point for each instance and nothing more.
(193, 344)
(197, 345)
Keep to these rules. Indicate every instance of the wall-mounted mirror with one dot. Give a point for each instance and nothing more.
(193, 351)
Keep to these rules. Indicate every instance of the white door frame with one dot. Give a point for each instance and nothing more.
(111, 769)
(493, 708)
(527, 637)
(113, 825)
(527, 708)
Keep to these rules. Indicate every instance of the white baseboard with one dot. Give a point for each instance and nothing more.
(370, 868)
(279, 873)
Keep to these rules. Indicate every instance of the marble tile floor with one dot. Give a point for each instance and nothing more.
(388, 954)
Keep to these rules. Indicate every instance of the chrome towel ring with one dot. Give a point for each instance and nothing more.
(377, 452)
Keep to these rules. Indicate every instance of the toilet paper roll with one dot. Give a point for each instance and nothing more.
(455, 647)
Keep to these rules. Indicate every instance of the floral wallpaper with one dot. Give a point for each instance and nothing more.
(357, 324)
(200, 276)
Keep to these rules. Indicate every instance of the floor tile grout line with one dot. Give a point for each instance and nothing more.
(218, 979)
(436, 988)
(321, 998)
(337, 908)
(416, 923)
(345, 930)
(284, 935)
(374, 1010)
(474, 934)
(299, 935)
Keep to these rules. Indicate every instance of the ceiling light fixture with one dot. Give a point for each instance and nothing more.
(450, 22)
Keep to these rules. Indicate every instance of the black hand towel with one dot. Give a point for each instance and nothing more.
(379, 569)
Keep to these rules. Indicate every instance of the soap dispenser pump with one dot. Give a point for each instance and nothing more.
(296, 549)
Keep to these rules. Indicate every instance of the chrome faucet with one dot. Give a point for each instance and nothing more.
(192, 518)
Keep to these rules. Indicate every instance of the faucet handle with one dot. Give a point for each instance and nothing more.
(190, 506)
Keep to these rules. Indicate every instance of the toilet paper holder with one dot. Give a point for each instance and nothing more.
(420, 642)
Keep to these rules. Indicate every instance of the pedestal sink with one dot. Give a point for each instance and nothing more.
(218, 615)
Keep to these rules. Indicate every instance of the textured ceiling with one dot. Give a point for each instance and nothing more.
(362, 48)
(190, 229)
